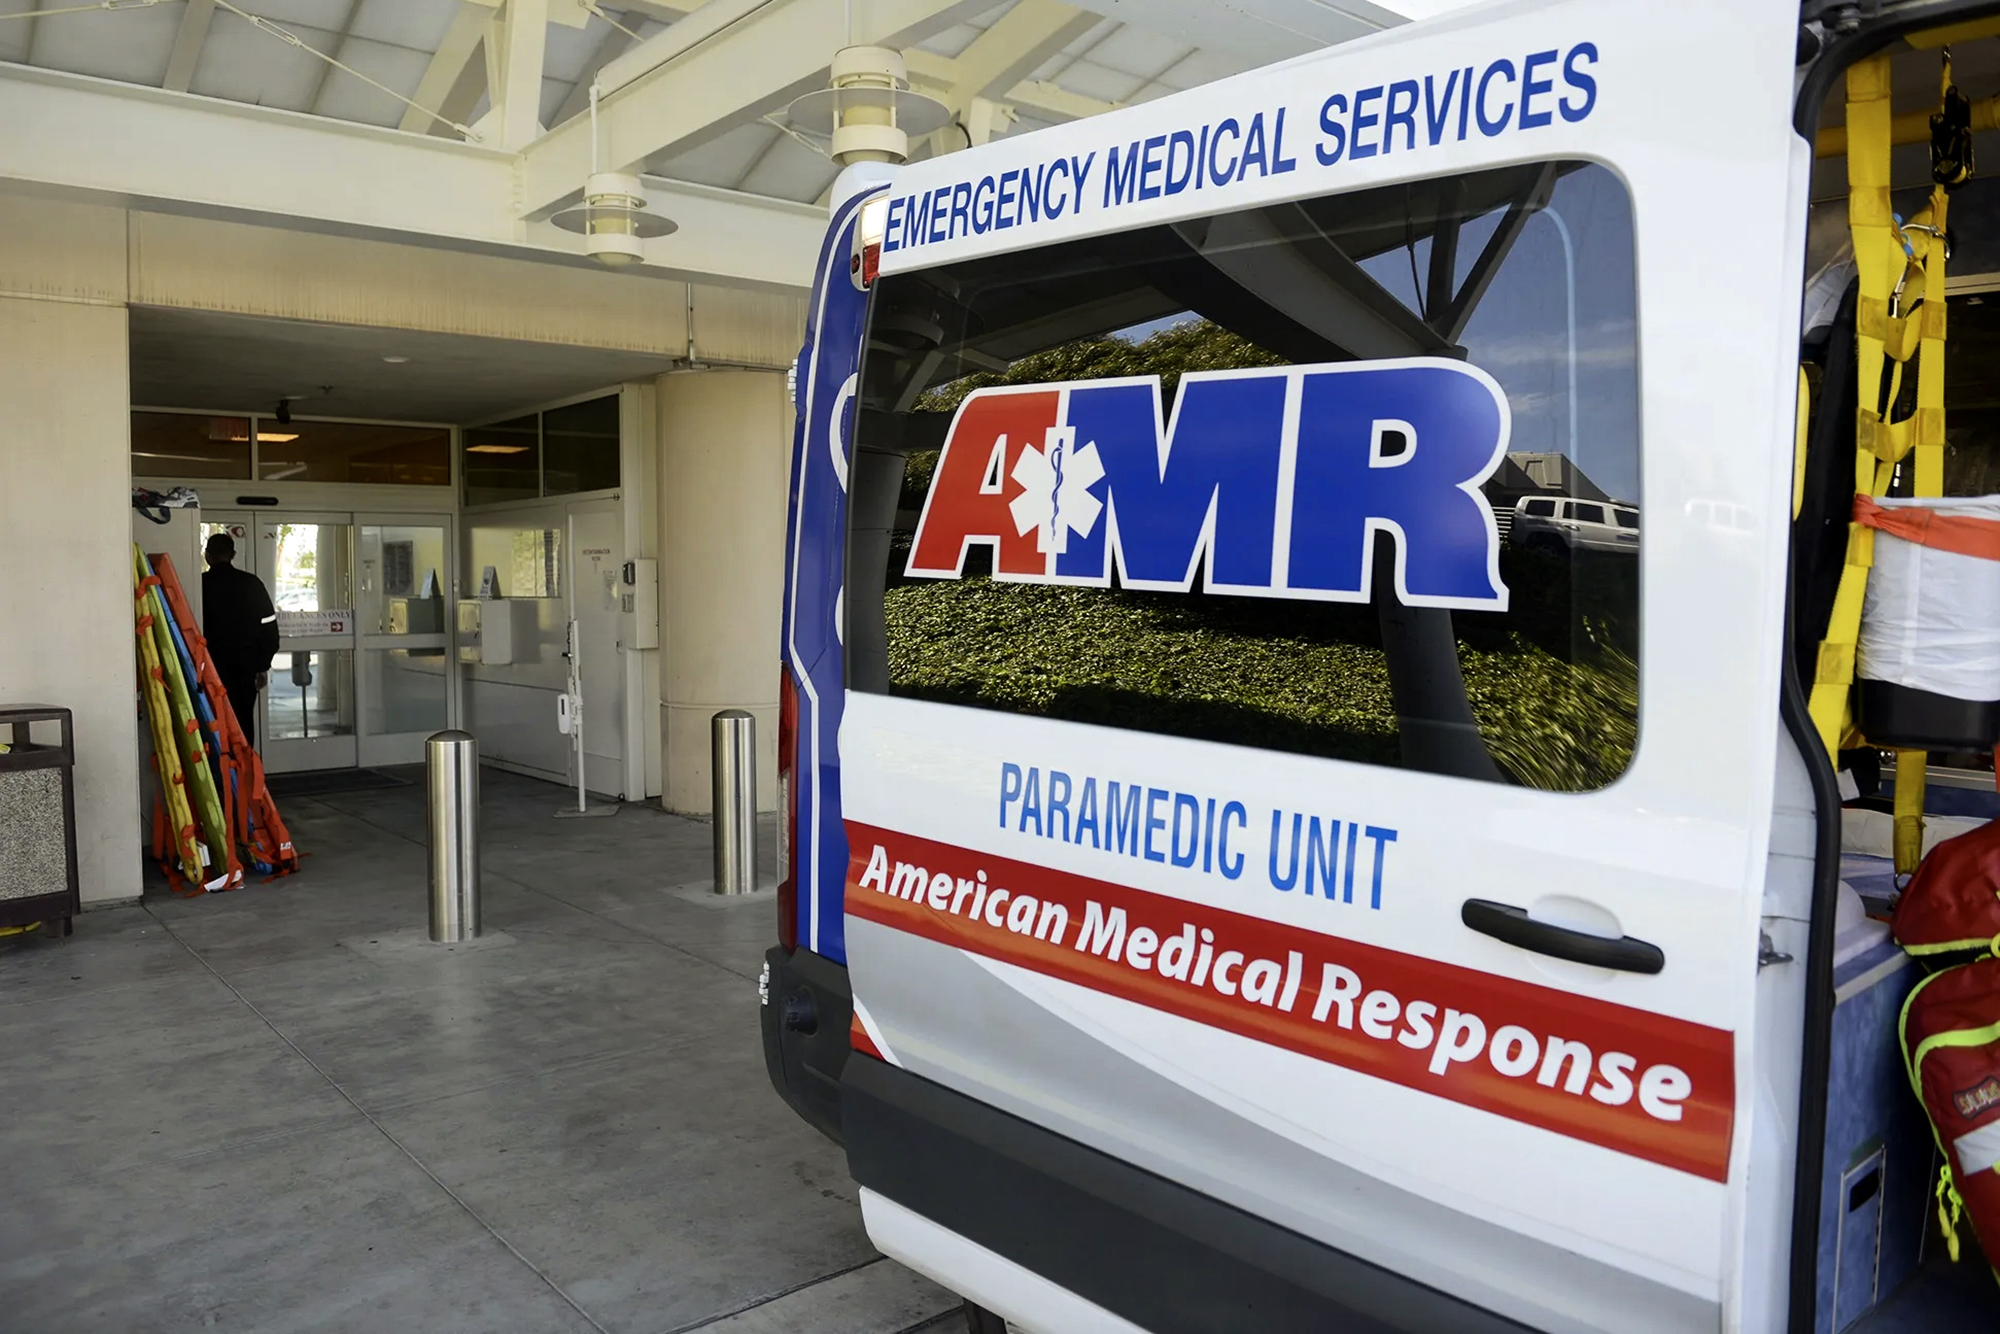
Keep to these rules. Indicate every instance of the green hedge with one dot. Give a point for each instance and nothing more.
(1188, 666)
(1197, 345)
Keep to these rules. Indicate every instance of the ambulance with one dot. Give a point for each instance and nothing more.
(1228, 885)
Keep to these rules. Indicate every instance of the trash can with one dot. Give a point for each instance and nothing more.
(37, 817)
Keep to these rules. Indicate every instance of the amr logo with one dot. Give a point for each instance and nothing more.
(1275, 480)
(1055, 483)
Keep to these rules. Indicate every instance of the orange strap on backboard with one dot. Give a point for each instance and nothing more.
(1960, 534)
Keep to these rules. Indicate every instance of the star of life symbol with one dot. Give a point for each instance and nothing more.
(1056, 479)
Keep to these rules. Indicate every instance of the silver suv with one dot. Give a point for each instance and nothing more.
(1556, 524)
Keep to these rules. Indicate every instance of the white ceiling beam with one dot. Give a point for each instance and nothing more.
(1017, 45)
(773, 51)
(127, 146)
(1266, 31)
(654, 9)
(1057, 102)
(516, 40)
(708, 20)
(455, 55)
(463, 97)
(188, 41)
(939, 74)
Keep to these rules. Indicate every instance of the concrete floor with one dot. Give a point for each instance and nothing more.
(282, 1109)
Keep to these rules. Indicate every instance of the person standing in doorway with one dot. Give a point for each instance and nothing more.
(241, 627)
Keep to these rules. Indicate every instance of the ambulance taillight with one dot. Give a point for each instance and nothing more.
(869, 232)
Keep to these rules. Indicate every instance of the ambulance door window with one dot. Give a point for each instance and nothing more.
(983, 567)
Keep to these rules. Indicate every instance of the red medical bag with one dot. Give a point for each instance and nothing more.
(1952, 903)
(1951, 1044)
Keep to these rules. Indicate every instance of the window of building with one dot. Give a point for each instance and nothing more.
(365, 452)
(181, 444)
(580, 447)
(174, 445)
(1525, 273)
(559, 452)
(504, 461)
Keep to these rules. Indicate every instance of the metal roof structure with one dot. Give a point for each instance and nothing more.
(694, 90)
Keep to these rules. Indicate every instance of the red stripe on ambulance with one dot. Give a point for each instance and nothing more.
(1643, 1084)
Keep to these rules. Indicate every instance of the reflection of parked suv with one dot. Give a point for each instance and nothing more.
(1557, 525)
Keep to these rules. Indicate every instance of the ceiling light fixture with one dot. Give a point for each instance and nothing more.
(276, 437)
(496, 449)
(868, 110)
(395, 360)
(612, 218)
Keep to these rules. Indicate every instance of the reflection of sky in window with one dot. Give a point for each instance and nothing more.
(1139, 333)
(1520, 333)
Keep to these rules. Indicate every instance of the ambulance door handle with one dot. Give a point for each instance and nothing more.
(1503, 921)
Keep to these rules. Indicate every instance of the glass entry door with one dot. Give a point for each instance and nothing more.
(405, 665)
(310, 704)
(364, 671)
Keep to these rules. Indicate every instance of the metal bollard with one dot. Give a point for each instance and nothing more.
(451, 784)
(734, 759)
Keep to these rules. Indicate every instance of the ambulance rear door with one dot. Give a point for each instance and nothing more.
(1233, 799)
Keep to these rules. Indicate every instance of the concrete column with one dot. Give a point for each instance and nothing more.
(66, 560)
(725, 438)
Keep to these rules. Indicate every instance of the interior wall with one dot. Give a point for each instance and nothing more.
(725, 437)
(66, 633)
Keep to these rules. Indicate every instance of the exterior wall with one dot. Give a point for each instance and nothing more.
(67, 272)
(66, 550)
(639, 471)
(200, 264)
(55, 250)
(725, 437)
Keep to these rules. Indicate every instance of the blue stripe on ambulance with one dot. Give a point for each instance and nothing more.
(815, 562)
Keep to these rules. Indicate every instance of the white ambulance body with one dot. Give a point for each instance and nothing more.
(1184, 996)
